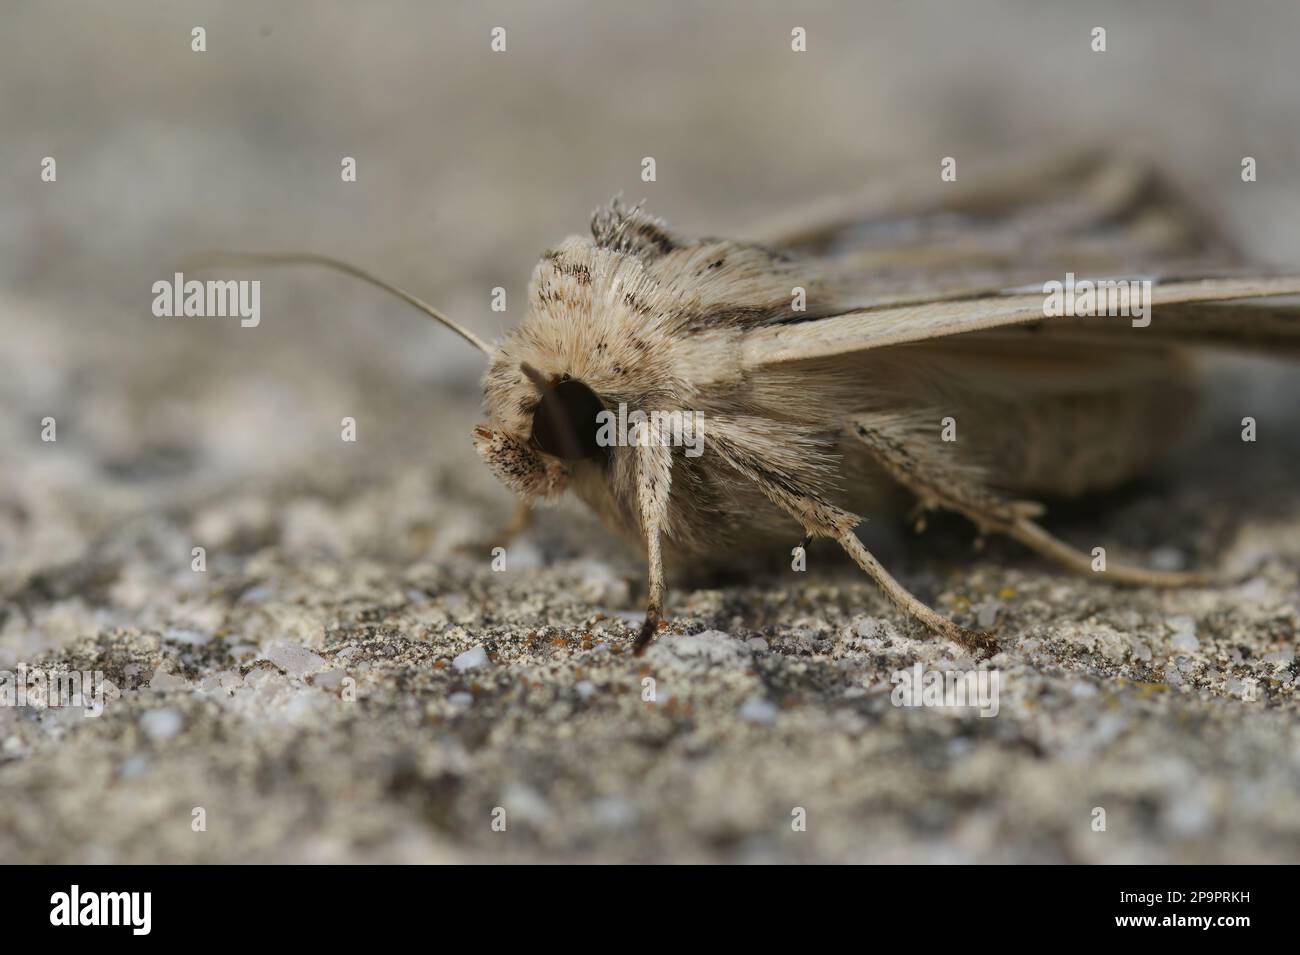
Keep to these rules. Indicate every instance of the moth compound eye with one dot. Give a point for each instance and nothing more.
(565, 424)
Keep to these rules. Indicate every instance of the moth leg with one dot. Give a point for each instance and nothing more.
(654, 464)
(939, 484)
(820, 518)
(903, 598)
(518, 523)
(507, 534)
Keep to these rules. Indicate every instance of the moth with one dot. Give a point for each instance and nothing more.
(823, 358)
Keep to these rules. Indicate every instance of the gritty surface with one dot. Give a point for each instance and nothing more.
(348, 678)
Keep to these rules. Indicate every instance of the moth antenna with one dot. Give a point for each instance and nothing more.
(212, 260)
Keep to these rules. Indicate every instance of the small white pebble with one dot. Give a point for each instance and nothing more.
(1183, 628)
(613, 812)
(470, 659)
(134, 766)
(160, 724)
(758, 643)
(329, 679)
(522, 800)
(162, 680)
(584, 688)
(461, 698)
(713, 647)
(256, 677)
(1128, 619)
(756, 709)
(1109, 726)
(187, 635)
(959, 747)
(293, 659)
(869, 627)
(1189, 815)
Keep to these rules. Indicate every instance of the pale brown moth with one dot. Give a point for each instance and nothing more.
(917, 306)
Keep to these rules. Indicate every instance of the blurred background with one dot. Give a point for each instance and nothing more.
(469, 164)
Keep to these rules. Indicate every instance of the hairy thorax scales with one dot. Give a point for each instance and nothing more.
(638, 315)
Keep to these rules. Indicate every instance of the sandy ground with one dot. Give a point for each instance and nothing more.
(349, 679)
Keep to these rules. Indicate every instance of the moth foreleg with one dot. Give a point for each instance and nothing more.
(654, 481)
(937, 483)
(505, 535)
(521, 521)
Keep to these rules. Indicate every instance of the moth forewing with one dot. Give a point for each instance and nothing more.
(861, 330)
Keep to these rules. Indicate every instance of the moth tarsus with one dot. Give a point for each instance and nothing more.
(813, 413)
(979, 642)
(649, 630)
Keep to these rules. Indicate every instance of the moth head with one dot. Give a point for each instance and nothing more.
(598, 336)
(543, 426)
(566, 418)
